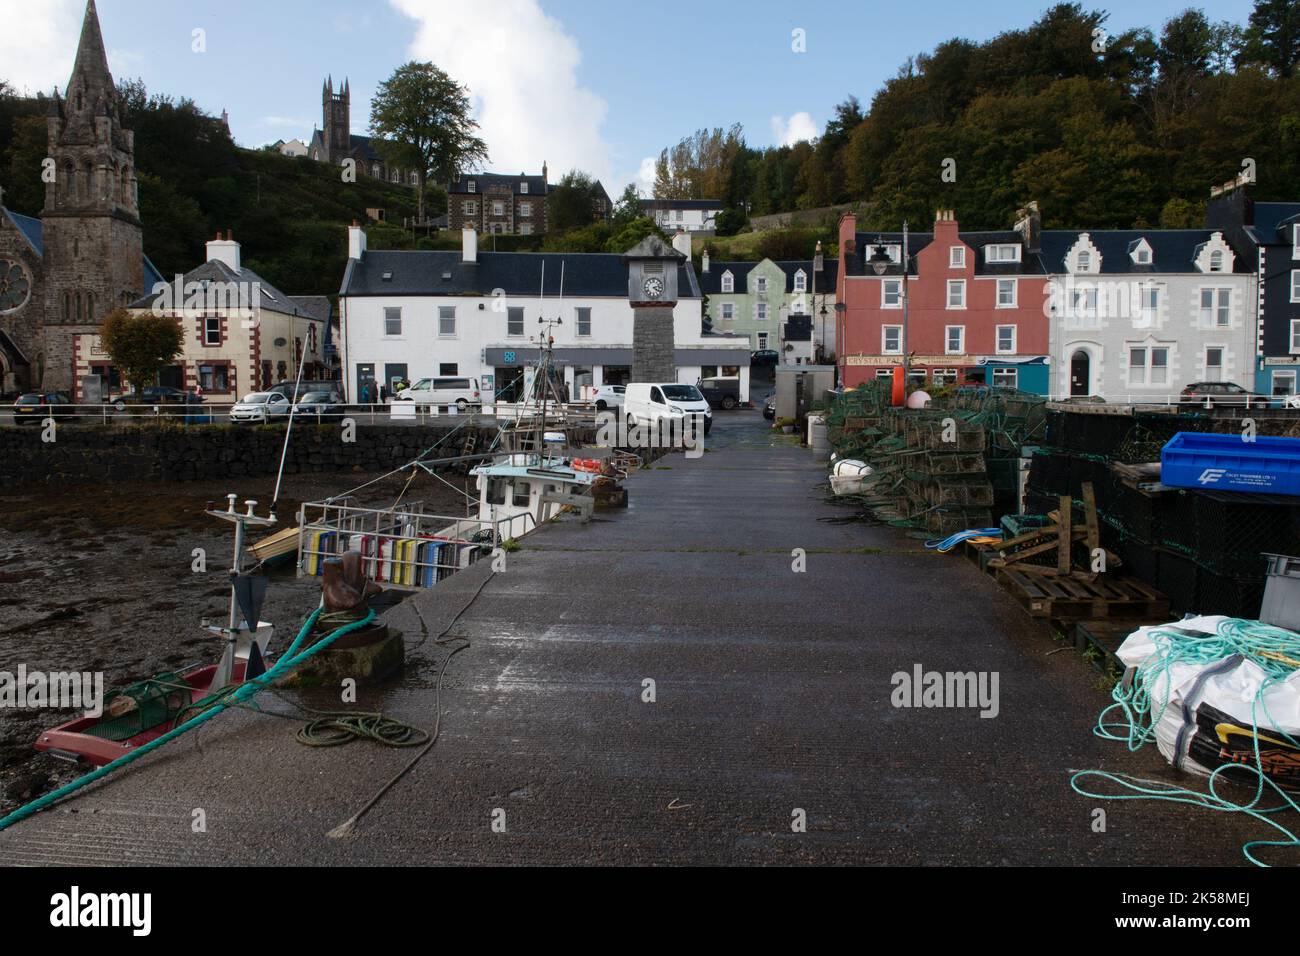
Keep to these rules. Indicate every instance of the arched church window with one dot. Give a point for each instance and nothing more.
(90, 307)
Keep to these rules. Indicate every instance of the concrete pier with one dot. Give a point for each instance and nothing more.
(771, 698)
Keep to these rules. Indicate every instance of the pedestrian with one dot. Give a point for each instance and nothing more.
(365, 394)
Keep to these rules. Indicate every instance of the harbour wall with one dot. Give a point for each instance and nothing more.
(92, 454)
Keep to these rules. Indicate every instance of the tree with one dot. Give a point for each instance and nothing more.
(627, 208)
(571, 203)
(140, 346)
(422, 119)
(627, 237)
(1273, 36)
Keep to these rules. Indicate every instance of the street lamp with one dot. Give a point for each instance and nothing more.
(880, 261)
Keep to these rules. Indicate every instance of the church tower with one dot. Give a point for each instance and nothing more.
(94, 247)
(337, 121)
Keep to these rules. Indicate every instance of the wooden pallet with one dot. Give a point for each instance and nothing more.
(1105, 637)
(1073, 599)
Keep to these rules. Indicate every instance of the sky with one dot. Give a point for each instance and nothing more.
(597, 85)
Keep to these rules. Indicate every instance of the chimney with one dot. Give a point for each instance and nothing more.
(469, 244)
(225, 250)
(1231, 208)
(682, 243)
(945, 226)
(1029, 223)
(848, 236)
(704, 261)
(356, 241)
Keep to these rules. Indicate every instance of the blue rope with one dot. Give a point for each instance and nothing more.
(288, 661)
(947, 544)
(1134, 715)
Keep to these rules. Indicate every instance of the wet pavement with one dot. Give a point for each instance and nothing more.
(662, 686)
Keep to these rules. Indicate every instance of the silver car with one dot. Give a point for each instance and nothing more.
(260, 408)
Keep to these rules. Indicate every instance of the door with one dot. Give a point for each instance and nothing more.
(366, 393)
(1081, 374)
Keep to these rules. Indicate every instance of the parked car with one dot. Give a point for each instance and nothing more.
(1227, 394)
(295, 390)
(260, 408)
(610, 396)
(157, 395)
(461, 392)
(765, 357)
(646, 403)
(769, 408)
(723, 392)
(35, 407)
(321, 405)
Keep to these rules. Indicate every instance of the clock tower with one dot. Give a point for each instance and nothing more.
(652, 267)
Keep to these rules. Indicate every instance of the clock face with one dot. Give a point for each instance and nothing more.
(653, 287)
(15, 285)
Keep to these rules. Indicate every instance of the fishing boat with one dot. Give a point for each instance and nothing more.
(136, 715)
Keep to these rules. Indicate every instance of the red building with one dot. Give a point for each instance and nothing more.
(976, 305)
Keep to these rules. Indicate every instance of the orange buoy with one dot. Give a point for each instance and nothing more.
(900, 387)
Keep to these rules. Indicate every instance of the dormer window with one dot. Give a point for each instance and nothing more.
(1143, 257)
(523, 188)
(728, 282)
(1084, 262)
(1295, 241)
(473, 186)
(1216, 261)
(800, 281)
(1006, 252)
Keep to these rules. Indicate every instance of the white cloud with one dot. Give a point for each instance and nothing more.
(797, 128)
(645, 176)
(39, 43)
(521, 69)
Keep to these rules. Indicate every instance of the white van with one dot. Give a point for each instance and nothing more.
(461, 392)
(647, 403)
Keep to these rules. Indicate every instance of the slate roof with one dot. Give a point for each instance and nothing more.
(316, 306)
(711, 281)
(682, 204)
(1270, 216)
(537, 185)
(270, 298)
(442, 273)
(1172, 250)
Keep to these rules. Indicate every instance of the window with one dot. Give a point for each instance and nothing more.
(884, 373)
(1295, 336)
(392, 321)
(446, 320)
(1084, 262)
(728, 282)
(679, 215)
(1148, 366)
(1002, 253)
(1216, 308)
(523, 188)
(891, 340)
(448, 369)
(525, 210)
(1295, 244)
(1006, 339)
(760, 285)
(1006, 378)
(1006, 293)
(955, 340)
(728, 311)
(762, 341)
(944, 376)
(1149, 300)
(1295, 285)
(469, 207)
(214, 378)
(526, 229)
(760, 312)
(1284, 383)
(800, 281)
(1083, 303)
(473, 186)
(498, 208)
(1143, 256)
(956, 293)
(891, 294)
(584, 322)
(1216, 260)
(957, 257)
(211, 331)
(515, 321)
(1214, 364)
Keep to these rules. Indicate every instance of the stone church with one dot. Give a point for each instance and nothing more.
(62, 273)
(335, 143)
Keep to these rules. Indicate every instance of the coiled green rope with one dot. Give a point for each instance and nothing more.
(1134, 716)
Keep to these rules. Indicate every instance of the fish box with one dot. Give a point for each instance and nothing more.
(1230, 463)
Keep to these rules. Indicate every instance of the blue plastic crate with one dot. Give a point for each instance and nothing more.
(1229, 463)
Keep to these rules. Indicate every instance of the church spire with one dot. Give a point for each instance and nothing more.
(91, 80)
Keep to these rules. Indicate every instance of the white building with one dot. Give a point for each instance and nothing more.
(1137, 315)
(422, 314)
(693, 215)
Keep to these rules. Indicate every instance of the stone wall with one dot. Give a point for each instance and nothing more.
(86, 454)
